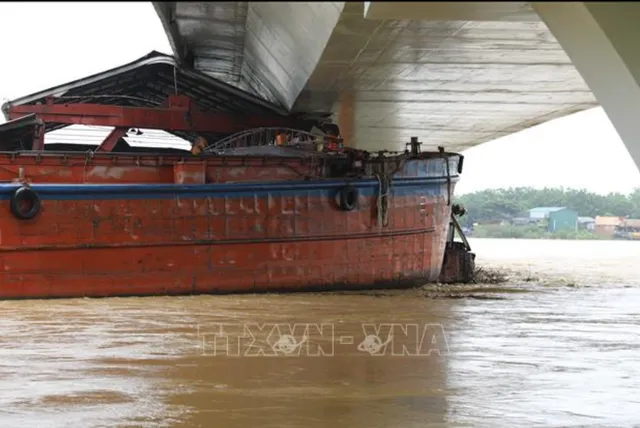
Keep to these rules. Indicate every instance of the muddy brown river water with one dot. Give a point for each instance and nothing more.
(556, 346)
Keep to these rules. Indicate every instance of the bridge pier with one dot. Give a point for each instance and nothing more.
(601, 39)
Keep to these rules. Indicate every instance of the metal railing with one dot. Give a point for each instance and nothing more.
(279, 137)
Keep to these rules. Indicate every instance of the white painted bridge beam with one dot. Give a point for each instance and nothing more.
(603, 41)
(450, 11)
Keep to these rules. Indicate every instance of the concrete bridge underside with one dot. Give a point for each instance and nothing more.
(454, 74)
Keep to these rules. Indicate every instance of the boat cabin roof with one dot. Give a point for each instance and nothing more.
(146, 82)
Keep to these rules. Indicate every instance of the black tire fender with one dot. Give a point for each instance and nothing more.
(28, 195)
(348, 198)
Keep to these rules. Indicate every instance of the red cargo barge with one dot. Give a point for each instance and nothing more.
(270, 209)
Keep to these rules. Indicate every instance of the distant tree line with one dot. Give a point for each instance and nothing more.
(497, 204)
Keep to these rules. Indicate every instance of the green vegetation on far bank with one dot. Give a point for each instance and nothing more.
(495, 204)
(490, 212)
(528, 232)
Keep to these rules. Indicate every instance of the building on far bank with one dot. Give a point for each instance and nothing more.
(631, 223)
(523, 219)
(606, 225)
(541, 213)
(558, 218)
(629, 228)
(587, 223)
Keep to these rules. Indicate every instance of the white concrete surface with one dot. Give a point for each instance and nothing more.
(455, 75)
(602, 41)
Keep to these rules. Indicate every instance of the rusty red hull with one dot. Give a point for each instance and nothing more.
(114, 225)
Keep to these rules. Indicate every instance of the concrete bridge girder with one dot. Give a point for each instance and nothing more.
(599, 38)
(450, 82)
(451, 11)
(266, 48)
(454, 74)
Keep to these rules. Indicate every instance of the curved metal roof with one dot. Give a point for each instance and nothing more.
(147, 82)
(154, 77)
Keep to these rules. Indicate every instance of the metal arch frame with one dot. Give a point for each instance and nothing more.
(261, 136)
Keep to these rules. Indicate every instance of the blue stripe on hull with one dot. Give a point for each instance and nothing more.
(399, 187)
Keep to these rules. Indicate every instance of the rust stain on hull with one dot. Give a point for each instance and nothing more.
(171, 226)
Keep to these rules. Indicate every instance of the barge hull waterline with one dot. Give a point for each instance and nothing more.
(99, 240)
